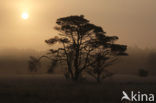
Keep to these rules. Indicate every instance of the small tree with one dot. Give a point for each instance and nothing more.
(103, 60)
(143, 73)
(83, 45)
(34, 64)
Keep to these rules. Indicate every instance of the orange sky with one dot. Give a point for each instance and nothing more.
(134, 21)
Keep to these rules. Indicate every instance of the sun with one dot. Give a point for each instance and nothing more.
(25, 15)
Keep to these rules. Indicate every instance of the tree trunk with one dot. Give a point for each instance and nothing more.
(76, 76)
(98, 78)
(70, 68)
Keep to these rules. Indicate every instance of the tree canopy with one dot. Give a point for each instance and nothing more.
(85, 46)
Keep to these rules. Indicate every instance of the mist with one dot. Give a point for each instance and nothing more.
(15, 62)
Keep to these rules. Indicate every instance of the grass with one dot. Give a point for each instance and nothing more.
(55, 89)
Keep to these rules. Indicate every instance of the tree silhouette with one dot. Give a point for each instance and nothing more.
(83, 46)
(35, 63)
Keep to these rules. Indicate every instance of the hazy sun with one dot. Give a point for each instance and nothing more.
(25, 15)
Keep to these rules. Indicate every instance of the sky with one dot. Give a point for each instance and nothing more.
(134, 21)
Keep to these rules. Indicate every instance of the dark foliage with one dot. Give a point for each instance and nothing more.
(85, 47)
(143, 73)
